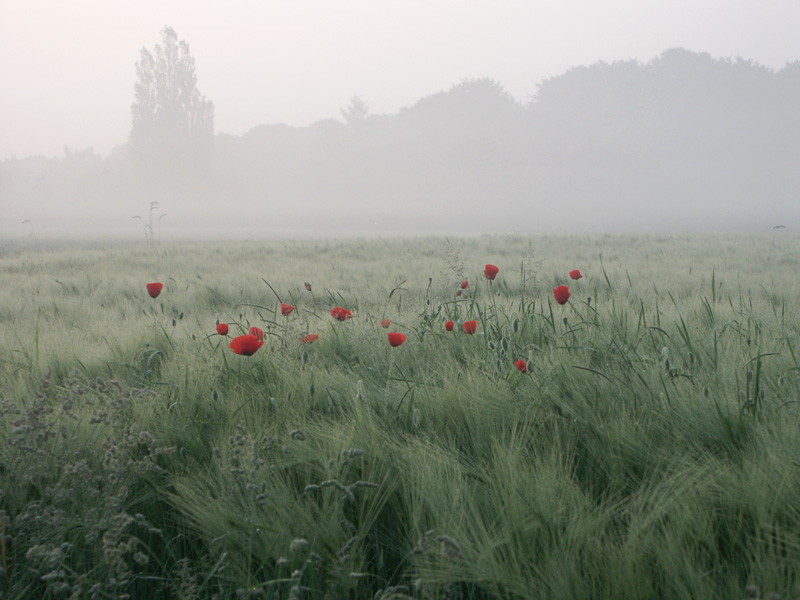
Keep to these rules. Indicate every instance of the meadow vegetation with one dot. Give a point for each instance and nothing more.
(651, 450)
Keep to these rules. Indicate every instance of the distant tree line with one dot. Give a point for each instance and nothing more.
(682, 138)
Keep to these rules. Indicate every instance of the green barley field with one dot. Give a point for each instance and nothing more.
(651, 448)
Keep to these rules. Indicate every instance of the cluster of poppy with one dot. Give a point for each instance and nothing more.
(341, 314)
(469, 327)
(561, 292)
(248, 344)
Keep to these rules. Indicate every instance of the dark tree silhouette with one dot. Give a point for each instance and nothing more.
(172, 123)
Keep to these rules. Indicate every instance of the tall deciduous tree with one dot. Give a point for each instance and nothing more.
(172, 123)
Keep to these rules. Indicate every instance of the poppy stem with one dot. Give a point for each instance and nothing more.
(494, 301)
(388, 374)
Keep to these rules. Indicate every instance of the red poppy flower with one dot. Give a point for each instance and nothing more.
(310, 338)
(458, 293)
(470, 327)
(561, 294)
(341, 314)
(449, 326)
(395, 338)
(385, 323)
(308, 286)
(222, 328)
(246, 345)
(521, 365)
(490, 272)
(154, 289)
(286, 309)
(465, 284)
(576, 274)
(256, 333)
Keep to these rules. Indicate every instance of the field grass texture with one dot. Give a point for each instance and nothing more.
(651, 450)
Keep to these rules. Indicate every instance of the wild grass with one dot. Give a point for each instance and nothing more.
(650, 451)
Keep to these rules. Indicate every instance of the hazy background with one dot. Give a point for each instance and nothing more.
(476, 116)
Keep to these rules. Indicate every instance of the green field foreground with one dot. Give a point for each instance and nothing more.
(651, 450)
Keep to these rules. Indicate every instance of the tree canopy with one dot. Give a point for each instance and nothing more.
(172, 122)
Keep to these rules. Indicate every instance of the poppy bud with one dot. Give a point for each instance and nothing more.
(214, 395)
(515, 325)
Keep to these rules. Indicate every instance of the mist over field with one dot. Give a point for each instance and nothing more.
(682, 142)
(399, 301)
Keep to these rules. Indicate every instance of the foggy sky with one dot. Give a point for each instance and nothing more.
(68, 67)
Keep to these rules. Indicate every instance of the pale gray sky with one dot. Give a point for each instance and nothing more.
(67, 67)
